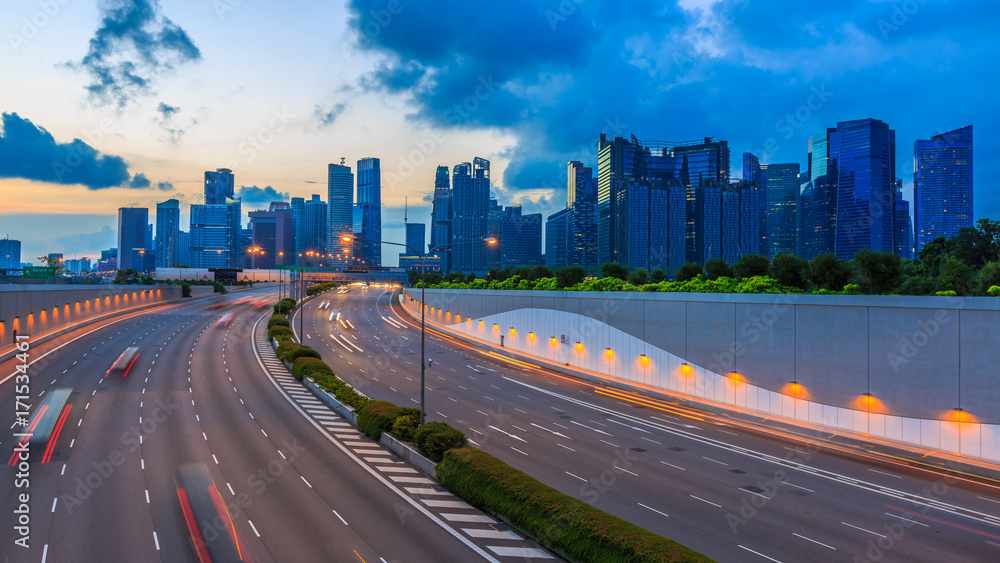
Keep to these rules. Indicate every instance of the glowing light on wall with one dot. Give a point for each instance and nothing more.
(481, 324)
(644, 359)
(686, 369)
(579, 347)
(609, 353)
(554, 341)
(496, 327)
(512, 331)
(531, 336)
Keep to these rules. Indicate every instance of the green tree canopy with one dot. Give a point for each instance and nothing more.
(614, 270)
(716, 268)
(880, 271)
(750, 265)
(829, 272)
(790, 270)
(688, 271)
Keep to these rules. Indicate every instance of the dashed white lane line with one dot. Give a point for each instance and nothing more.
(304, 481)
(814, 541)
(156, 541)
(760, 554)
(863, 530)
(884, 473)
(337, 514)
(147, 496)
(54, 501)
(45, 552)
(706, 501)
(254, 528)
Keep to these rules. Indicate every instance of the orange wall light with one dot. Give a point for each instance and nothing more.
(644, 359)
(686, 369)
(579, 347)
(609, 353)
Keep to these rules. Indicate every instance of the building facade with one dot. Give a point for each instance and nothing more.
(132, 222)
(340, 216)
(470, 206)
(168, 218)
(219, 186)
(942, 185)
(441, 218)
(817, 208)
(298, 206)
(781, 190)
(367, 216)
(558, 239)
(581, 200)
(215, 235)
(273, 238)
(10, 254)
(311, 240)
(520, 238)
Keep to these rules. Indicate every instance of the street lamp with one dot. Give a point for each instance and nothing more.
(423, 287)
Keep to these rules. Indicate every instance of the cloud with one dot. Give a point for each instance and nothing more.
(310, 181)
(683, 70)
(327, 117)
(133, 45)
(165, 186)
(139, 181)
(166, 110)
(170, 131)
(85, 243)
(32, 153)
(252, 195)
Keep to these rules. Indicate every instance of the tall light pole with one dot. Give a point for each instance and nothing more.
(423, 286)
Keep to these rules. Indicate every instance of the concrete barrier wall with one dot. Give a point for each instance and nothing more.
(896, 368)
(33, 309)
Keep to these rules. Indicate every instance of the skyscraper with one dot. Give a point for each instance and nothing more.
(471, 199)
(521, 238)
(340, 201)
(781, 190)
(168, 217)
(10, 254)
(219, 186)
(902, 226)
(581, 222)
(367, 216)
(557, 239)
(273, 234)
(494, 229)
(942, 185)
(312, 244)
(184, 248)
(298, 205)
(132, 223)
(864, 152)
(215, 235)
(441, 218)
(817, 209)
(416, 235)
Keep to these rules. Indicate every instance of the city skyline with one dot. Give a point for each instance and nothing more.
(204, 103)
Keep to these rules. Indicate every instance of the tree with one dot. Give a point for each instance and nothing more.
(126, 277)
(659, 276)
(750, 265)
(639, 277)
(470, 278)
(539, 272)
(978, 245)
(688, 271)
(829, 272)
(455, 277)
(414, 277)
(53, 262)
(614, 270)
(989, 276)
(880, 271)
(957, 276)
(933, 254)
(496, 274)
(790, 270)
(716, 268)
(570, 276)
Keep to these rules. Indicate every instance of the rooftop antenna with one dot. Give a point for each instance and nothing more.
(342, 161)
(404, 209)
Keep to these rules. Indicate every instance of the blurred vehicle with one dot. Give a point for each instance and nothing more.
(124, 362)
(224, 320)
(209, 524)
(45, 424)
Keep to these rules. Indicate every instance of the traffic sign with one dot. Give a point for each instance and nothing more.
(39, 273)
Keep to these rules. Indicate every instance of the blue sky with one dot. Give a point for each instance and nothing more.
(119, 104)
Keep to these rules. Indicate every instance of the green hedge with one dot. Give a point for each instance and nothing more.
(433, 439)
(301, 351)
(994, 290)
(284, 306)
(309, 367)
(378, 417)
(569, 526)
(406, 424)
(279, 332)
(320, 288)
(340, 389)
(277, 320)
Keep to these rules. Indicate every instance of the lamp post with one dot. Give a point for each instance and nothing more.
(423, 287)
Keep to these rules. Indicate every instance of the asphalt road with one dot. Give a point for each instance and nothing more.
(733, 492)
(195, 394)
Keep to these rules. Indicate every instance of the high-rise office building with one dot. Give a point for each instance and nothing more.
(367, 215)
(902, 226)
(942, 185)
(864, 152)
(441, 218)
(312, 244)
(298, 206)
(273, 242)
(702, 164)
(219, 186)
(781, 190)
(168, 218)
(416, 237)
(521, 238)
(132, 222)
(246, 258)
(494, 229)
(184, 248)
(471, 200)
(215, 235)
(558, 239)
(817, 209)
(78, 265)
(10, 254)
(340, 216)
(581, 200)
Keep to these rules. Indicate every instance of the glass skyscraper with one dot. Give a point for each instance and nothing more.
(864, 153)
(298, 205)
(521, 238)
(215, 235)
(132, 222)
(168, 216)
(368, 214)
(441, 216)
(781, 189)
(470, 204)
(581, 200)
(340, 203)
(219, 186)
(416, 238)
(942, 185)
(557, 240)
(10, 254)
(817, 210)
(311, 242)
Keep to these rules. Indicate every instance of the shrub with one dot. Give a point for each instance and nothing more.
(584, 533)
(377, 417)
(287, 347)
(277, 320)
(433, 439)
(406, 424)
(282, 307)
(309, 367)
(852, 289)
(217, 287)
(279, 332)
(301, 352)
(688, 271)
(185, 289)
(994, 290)
(751, 265)
(948, 293)
(340, 389)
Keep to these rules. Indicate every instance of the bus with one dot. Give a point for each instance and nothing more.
(124, 362)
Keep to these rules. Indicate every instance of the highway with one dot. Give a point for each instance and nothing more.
(731, 491)
(197, 393)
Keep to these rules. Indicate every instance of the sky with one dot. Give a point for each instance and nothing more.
(112, 104)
